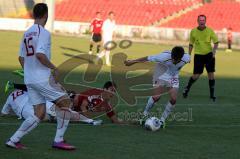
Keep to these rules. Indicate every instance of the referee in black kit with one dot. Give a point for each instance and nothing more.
(201, 38)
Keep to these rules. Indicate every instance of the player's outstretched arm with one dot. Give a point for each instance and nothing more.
(139, 60)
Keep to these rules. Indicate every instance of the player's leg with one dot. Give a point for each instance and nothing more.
(105, 48)
(210, 67)
(159, 89)
(91, 44)
(99, 43)
(107, 53)
(170, 105)
(102, 53)
(10, 85)
(197, 71)
(27, 111)
(55, 92)
(31, 121)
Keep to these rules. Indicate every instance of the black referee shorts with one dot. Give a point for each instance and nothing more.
(201, 61)
(97, 37)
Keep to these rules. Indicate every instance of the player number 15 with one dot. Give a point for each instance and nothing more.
(28, 46)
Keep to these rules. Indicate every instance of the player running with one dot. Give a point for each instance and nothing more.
(108, 29)
(166, 76)
(96, 29)
(40, 77)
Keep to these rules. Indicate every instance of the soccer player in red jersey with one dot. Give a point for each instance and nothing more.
(97, 101)
(95, 29)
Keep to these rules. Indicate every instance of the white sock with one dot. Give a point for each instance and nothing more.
(107, 57)
(101, 54)
(149, 105)
(28, 125)
(63, 118)
(85, 119)
(168, 109)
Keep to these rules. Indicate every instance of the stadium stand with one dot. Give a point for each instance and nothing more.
(220, 14)
(134, 12)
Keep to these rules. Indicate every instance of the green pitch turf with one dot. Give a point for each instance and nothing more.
(198, 129)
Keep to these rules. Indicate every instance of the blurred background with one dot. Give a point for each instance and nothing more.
(166, 21)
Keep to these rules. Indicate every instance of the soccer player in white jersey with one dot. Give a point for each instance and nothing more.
(108, 29)
(40, 77)
(18, 104)
(168, 65)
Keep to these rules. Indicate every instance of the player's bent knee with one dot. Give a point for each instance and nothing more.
(40, 116)
(64, 101)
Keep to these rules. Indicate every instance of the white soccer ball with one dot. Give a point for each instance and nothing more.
(152, 124)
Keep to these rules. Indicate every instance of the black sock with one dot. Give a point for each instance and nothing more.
(20, 86)
(98, 48)
(190, 82)
(91, 46)
(211, 87)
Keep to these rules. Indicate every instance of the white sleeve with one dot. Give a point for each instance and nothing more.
(156, 58)
(187, 58)
(43, 41)
(6, 108)
(21, 50)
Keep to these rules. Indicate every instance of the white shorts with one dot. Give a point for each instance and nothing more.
(170, 83)
(46, 91)
(107, 42)
(26, 111)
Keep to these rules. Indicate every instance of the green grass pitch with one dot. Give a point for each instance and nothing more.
(201, 129)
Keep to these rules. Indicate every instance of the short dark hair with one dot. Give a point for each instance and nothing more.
(109, 84)
(98, 12)
(177, 52)
(71, 94)
(202, 15)
(40, 10)
(111, 12)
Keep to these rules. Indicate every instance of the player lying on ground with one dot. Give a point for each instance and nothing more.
(18, 104)
(89, 103)
(97, 101)
(166, 76)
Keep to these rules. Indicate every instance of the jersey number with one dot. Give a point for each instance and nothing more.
(28, 46)
(17, 93)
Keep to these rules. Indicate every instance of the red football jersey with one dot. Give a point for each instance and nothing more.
(97, 25)
(95, 102)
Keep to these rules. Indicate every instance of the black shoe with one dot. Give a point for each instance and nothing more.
(213, 98)
(185, 92)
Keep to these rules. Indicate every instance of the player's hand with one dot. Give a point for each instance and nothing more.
(55, 74)
(129, 62)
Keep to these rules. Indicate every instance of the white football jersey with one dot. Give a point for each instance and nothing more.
(15, 102)
(18, 102)
(165, 69)
(108, 28)
(35, 40)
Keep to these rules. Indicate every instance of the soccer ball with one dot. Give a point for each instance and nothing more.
(152, 124)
